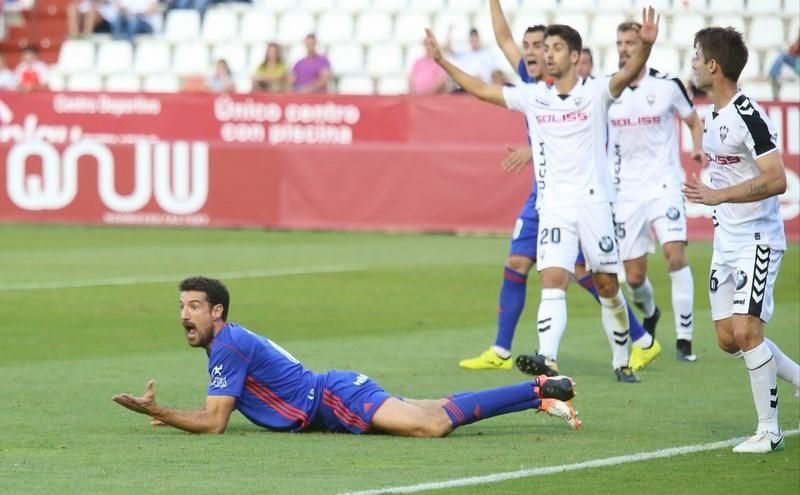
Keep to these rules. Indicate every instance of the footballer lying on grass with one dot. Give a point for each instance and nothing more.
(274, 390)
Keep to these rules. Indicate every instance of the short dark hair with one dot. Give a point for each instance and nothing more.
(726, 46)
(568, 34)
(538, 28)
(473, 32)
(215, 291)
(588, 51)
(629, 26)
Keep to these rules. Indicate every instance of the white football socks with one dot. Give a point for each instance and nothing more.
(642, 297)
(614, 314)
(763, 377)
(787, 369)
(683, 302)
(551, 321)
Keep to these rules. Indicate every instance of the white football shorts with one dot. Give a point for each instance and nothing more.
(742, 282)
(635, 222)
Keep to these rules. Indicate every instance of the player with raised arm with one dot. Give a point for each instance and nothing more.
(257, 377)
(647, 172)
(747, 175)
(567, 126)
(530, 65)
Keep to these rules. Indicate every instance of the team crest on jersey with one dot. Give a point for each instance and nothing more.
(723, 133)
(606, 244)
(578, 101)
(673, 213)
(741, 279)
(651, 98)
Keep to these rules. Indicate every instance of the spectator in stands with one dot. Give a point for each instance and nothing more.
(31, 73)
(426, 77)
(136, 17)
(272, 75)
(476, 60)
(313, 72)
(221, 80)
(585, 64)
(790, 57)
(85, 17)
(8, 80)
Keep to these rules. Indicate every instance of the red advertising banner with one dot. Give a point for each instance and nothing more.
(378, 163)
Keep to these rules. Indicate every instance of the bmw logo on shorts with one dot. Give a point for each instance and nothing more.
(606, 244)
(673, 213)
(741, 279)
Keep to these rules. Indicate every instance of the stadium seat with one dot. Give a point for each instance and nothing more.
(412, 54)
(467, 7)
(766, 32)
(161, 83)
(726, 6)
(604, 30)
(317, 6)
(295, 52)
(665, 59)
(763, 6)
(426, 6)
(374, 27)
(392, 85)
(410, 27)
(790, 91)
(683, 27)
(753, 68)
(390, 6)
(75, 56)
(85, 81)
(729, 20)
(243, 84)
(792, 7)
(794, 29)
(384, 59)
(191, 58)
(356, 85)
(220, 24)
(617, 6)
(56, 81)
(521, 22)
(700, 6)
(152, 57)
(760, 90)
(114, 57)
(276, 6)
(335, 27)
(127, 83)
(182, 25)
(234, 53)
(578, 5)
(457, 24)
(258, 26)
(576, 20)
(347, 58)
(294, 26)
(353, 6)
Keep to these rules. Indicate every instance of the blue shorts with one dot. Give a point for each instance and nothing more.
(349, 401)
(524, 240)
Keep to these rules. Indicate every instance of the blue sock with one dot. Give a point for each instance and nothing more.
(636, 329)
(512, 301)
(466, 408)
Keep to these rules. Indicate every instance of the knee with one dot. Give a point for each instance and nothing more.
(606, 284)
(519, 264)
(727, 344)
(634, 278)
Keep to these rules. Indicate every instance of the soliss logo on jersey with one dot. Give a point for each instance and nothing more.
(651, 98)
(741, 279)
(673, 213)
(723, 133)
(606, 244)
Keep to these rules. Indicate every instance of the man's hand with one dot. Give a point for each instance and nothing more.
(517, 159)
(697, 192)
(143, 404)
(649, 31)
(433, 46)
(700, 157)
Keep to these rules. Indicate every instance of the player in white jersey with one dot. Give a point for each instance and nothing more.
(647, 172)
(568, 134)
(747, 175)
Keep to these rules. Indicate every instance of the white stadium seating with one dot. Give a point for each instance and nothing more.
(347, 58)
(220, 25)
(258, 26)
(114, 57)
(75, 56)
(335, 27)
(373, 27)
(127, 83)
(86, 81)
(182, 25)
(356, 85)
(191, 58)
(294, 26)
(152, 57)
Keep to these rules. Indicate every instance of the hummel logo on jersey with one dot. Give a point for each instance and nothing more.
(741, 279)
(723, 133)
(745, 108)
(606, 244)
(217, 370)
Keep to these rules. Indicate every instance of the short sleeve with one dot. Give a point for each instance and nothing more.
(600, 86)
(516, 97)
(680, 99)
(227, 369)
(759, 137)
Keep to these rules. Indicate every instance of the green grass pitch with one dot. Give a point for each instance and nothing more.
(401, 308)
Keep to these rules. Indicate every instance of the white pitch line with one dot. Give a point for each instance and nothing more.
(150, 279)
(528, 473)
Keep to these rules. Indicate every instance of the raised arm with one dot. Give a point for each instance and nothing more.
(212, 419)
(648, 34)
(472, 85)
(771, 182)
(503, 36)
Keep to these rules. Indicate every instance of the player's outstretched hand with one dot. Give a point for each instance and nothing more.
(433, 46)
(141, 404)
(694, 190)
(517, 159)
(700, 157)
(650, 20)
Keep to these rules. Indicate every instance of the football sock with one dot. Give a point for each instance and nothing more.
(682, 302)
(615, 322)
(638, 334)
(466, 407)
(551, 321)
(787, 369)
(512, 301)
(643, 298)
(763, 378)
